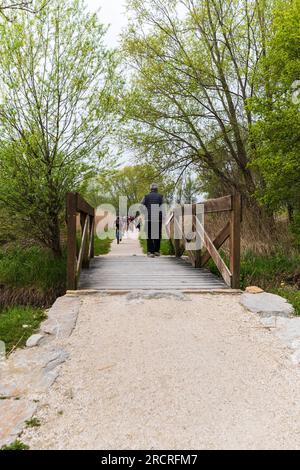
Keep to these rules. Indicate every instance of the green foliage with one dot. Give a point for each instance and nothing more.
(292, 295)
(194, 70)
(277, 132)
(130, 181)
(274, 273)
(188, 190)
(31, 276)
(32, 267)
(268, 271)
(166, 247)
(33, 423)
(16, 445)
(17, 324)
(295, 228)
(58, 91)
(102, 246)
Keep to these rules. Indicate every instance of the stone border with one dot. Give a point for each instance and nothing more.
(28, 372)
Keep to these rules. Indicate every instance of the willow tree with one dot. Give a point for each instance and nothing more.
(9, 7)
(58, 83)
(194, 67)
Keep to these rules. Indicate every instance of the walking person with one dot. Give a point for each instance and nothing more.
(118, 225)
(153, 220)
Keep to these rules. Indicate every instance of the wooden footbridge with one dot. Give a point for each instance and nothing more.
(185, 271)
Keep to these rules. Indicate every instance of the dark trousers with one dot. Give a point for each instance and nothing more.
(153, 244)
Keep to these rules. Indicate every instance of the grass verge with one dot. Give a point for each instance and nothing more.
(17, 324)
(30, 276)
(102, 246)
(278, 274)
(291, 294)
(166, 247)
(16, 445)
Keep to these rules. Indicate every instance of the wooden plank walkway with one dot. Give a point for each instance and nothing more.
(125, 268)
(142, 273)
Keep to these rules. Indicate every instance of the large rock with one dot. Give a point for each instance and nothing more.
(13, 415)
(62, 317)
(34, 340)
(30, 371)
(288, 330)
(267, 305)
(253, 290)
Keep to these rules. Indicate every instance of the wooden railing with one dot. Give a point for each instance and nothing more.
(231, 231)
(78, 256)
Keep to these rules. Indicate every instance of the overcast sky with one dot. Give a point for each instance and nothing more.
(111, 12)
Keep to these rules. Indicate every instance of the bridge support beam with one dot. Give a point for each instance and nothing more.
(79, 258)
(235, 241)
(71, 242)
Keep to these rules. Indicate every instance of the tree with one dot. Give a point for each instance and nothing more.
(130, 181)
(277, 131)
(188, 190)
(57, 97)
(9, 5)
(194, 70)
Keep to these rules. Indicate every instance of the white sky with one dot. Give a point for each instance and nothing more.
(112, 12)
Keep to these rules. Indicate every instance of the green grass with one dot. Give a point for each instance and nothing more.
(102, 246)
(16, 445)
(166, 247)
(30, 279)
(33, 423)
(274, 274)
(278, 273)
(268, 271)
(17, 324)
(291, 294)
(31, 267)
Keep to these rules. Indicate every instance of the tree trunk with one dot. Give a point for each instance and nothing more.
(54, 242)
(290, 213)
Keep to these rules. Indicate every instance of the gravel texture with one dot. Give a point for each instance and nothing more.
(170, 374)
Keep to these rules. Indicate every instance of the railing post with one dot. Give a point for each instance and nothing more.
(71, 244)
(85, 259)
(177, 220)
(235, 240)
(92, 234)
(197, 253)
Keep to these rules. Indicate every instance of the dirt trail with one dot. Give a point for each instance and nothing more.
(192, 372)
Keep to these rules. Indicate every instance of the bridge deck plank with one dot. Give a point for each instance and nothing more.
(140, 272)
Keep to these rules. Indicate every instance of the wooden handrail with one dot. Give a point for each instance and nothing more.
(78, 259)
(222, 204)
(231, 231)
(82, 246)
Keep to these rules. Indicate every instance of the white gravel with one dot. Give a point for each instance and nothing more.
(170, 374)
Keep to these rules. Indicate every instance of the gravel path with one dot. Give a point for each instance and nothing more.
(129, 246)
(193, 372)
